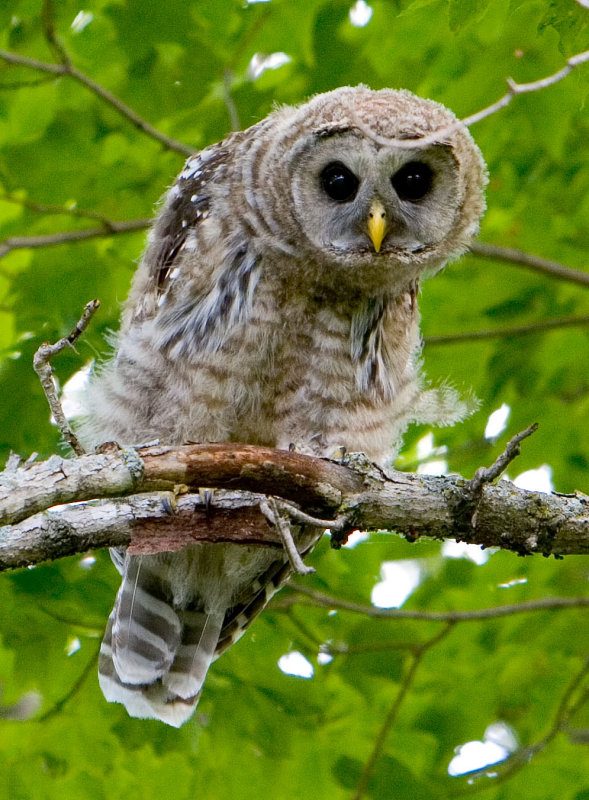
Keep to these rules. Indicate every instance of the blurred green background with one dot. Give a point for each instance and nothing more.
(71, 161)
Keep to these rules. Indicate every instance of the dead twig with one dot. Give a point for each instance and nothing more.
(473, 489)
(42, 365)
(512, 450)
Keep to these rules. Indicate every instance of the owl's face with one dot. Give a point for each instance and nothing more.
(355, 196)
(346, 185)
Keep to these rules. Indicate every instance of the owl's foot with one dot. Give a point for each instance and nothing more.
(339, 454)
(206, 495)
(278, 516)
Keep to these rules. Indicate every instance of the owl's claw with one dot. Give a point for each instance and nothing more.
(339, 454)
(278, 516)
(206, 495)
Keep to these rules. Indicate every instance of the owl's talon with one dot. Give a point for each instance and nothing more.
(278, 517)
(206, 495)
(339, 454)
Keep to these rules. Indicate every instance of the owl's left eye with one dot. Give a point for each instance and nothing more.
(413, 181)
(339, 182)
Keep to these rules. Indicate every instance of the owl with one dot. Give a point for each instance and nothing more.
(276, 304)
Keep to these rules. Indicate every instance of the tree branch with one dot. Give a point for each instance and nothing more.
(393, 712)
(513, 90)
(143, 499)
(327, 601)
(51, 239)
(67, 69)
(543, 265)
(517, 330)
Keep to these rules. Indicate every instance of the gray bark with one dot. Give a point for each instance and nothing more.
(148, 499)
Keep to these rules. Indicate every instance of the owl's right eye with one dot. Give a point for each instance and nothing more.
(339, 182)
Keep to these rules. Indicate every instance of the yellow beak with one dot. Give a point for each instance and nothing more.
(377, 223)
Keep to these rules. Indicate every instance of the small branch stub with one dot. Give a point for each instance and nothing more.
(42, 365)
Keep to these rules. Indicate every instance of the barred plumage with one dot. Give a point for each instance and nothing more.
(275, 304)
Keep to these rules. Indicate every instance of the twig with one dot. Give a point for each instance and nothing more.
(513, 90)
(229, 101)
(512, 450)
(73, 690)
(9, 85)
(543, 265)
(564, 712)
(275, 514)
(467, 503)
(69, 70)
(70, 211)
(51, 239)
(516, 330)
(393, 712)
(544, 604)
(48, 23)
(41, 363)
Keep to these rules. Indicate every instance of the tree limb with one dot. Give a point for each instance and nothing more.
(51, 239)
(143, 499)
(513, 90)
(556, 323)
(536, 263)
(67, 69)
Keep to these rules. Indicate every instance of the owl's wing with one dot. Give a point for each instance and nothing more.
(239, 617)
(186, 204)
(198, 287)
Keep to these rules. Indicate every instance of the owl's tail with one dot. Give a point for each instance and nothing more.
(154, 658)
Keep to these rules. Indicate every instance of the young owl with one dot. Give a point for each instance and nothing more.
(275, 305)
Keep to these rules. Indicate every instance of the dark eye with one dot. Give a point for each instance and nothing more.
(339, 183)
(413, 181)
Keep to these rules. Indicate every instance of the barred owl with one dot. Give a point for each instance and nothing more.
(275, 305)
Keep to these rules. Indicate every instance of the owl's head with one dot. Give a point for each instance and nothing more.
(354, 187)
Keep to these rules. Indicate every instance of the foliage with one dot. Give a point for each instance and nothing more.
(185, 66)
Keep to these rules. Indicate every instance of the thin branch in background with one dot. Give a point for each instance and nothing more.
(73, 690)
(504, 333)
(51, 239)
(543, 265)
(513, 90)
(393, 712)
(229, 101)
(303, 629)
(336, 603)
(10, 85)
(42, 365)
(50, 33)
(566, 709)
(68, 211)
(69, 70)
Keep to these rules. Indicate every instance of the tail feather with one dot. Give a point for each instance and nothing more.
(177, 612)
(141, 701)
(146, 630)
(154, 658)
(200, 635)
